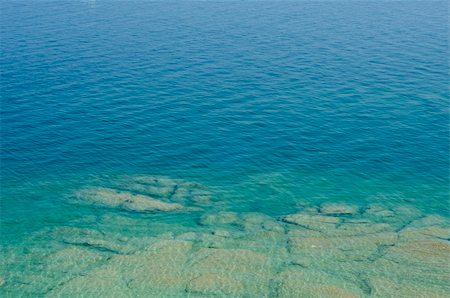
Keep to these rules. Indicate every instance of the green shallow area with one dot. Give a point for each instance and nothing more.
(155, 236)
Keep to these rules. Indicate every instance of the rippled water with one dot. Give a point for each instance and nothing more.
(237, 149)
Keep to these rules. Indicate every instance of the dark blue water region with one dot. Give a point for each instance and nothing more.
(352, 91)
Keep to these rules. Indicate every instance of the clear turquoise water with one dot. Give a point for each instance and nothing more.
(270, 107)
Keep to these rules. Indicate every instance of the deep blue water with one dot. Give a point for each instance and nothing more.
(267, 103)
(224, 89)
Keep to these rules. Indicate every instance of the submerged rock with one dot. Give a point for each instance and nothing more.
(407, 212)
(158, 186)
(111, 198)
(42, 272)
(220, 218)
(189, 236)
(255, 218)
(251, 222)
(161, 270)
(376, 210)
(431, 253)
(115, 242)
(270, 243)
(221, 233)
(388, 287)
(73, 259)
(313, 222)
(195, 192)
(99, 244)
(165, 188)
(90, 238)
(308, 283)
(417, 268)
(211, 240)
(442, 233)
(273, 225)
(100, 282)
(430, 220)
(231, 260)
(364, 228)
(315, 252)
(216, 284)
(248, 272)
(338, 209)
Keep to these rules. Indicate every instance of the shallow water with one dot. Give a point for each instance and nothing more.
(237, 149)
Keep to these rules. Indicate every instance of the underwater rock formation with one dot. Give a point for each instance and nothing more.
(165, 188)
(325, 250)
(111, 198)
(338, 209)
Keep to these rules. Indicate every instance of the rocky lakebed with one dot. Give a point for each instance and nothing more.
(135, 247)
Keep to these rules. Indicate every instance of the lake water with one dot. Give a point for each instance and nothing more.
(225, 149)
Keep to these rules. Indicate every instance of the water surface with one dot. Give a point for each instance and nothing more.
(243, 114)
